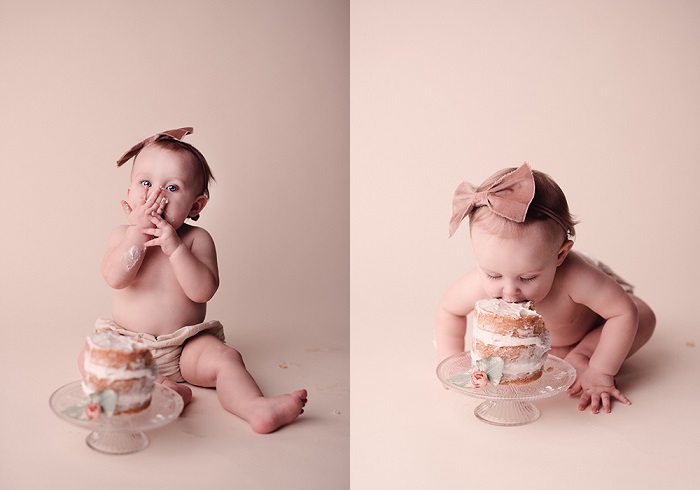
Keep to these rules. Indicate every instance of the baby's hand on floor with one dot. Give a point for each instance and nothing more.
(595, 389)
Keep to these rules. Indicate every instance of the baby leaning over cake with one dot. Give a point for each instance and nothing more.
(164, 271)
(521, 234)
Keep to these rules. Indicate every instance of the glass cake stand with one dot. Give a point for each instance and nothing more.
(119, 434)
(509, 405)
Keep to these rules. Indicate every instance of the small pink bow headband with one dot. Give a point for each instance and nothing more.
(176, 134)
(509, 197)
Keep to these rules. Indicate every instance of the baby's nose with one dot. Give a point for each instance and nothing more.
(511, 293)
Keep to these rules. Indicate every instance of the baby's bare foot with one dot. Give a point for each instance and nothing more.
(269, 414)
(184, 391)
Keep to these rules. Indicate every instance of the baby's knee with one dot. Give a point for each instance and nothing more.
(230, 354)
(219, 352)
(647, 320)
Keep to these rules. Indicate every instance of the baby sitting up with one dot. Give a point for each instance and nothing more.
(164, 271)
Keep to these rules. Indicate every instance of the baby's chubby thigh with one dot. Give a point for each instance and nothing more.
(560, 352)
(202, 357)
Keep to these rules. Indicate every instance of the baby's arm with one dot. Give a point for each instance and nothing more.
(124, 256)
(195, 266)
(126, 248)
(451, 315)
(604, 296)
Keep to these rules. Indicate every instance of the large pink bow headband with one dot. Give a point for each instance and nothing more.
(509, 197)
(176, 134)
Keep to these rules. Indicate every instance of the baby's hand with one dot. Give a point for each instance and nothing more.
(154, 202)
(164, 235)
(595, 389)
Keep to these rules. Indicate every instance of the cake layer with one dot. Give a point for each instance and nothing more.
(511, 319)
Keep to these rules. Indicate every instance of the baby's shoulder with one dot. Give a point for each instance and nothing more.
(198, 240)
(189, 233)
(463, 294)
(578, 272)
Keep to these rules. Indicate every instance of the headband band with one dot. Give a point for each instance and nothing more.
(176, 134)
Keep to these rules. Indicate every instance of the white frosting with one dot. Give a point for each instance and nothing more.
(498, 306)
(498, 340)
(112, 341)
(132, 257)
(112, 373)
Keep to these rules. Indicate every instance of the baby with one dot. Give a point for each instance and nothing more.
(164, 271)
(521, 233)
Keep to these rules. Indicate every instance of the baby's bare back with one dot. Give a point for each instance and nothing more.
(155, 303)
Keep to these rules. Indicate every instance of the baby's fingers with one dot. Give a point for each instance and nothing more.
(152, 195)
(584, 401)
(161, 206)
(575, 389)
(126, 208)
(619, 396)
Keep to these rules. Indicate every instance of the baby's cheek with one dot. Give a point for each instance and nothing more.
(492, 291)
(536, 293)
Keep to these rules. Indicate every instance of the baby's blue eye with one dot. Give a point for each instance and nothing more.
(171, 188)
(146, 183)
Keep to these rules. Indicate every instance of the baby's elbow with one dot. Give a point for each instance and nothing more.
(205, 293)
(115, 281)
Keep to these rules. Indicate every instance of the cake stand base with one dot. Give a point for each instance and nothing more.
(117, 442)
(119, 434)
(507, 412)
(507, 405)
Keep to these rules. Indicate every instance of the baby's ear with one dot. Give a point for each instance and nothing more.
(564, 251)
(198, 205)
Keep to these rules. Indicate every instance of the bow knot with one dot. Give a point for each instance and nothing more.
(509, 197)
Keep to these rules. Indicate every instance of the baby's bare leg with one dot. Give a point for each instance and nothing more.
(580, 354)
(647, 324)
(208, 362)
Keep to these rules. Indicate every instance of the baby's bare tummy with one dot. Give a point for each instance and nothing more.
(568, 324)
(155, 312)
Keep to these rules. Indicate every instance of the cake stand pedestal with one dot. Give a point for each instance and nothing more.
(119, 434)
(511, 404)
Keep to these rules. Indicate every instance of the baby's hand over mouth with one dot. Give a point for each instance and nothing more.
(153, 204)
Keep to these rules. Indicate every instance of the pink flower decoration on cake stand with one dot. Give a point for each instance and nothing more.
(479, 379)
(93, 411)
